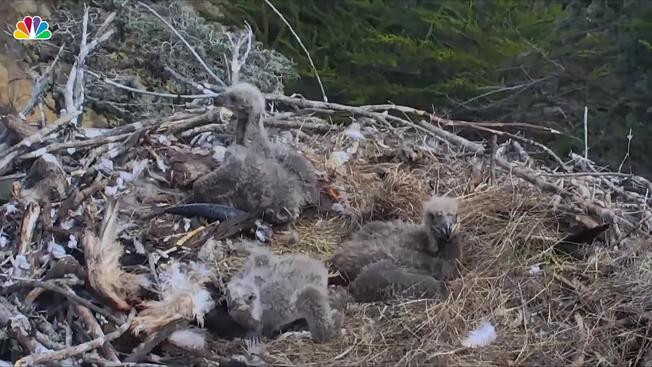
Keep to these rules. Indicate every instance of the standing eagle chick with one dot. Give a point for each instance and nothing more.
(431, 247)
(255, 173)
(272, 291)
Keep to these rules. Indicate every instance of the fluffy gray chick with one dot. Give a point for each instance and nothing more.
(431, 247)
(250, 182)
(249, 104)
(256, 174)
(271, 291)
(384, 280)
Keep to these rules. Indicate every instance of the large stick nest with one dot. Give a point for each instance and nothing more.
(552, 302)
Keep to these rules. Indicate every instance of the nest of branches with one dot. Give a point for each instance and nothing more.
(555, 270)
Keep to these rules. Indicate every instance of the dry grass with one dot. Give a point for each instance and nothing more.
(577, 312)
(590, 311)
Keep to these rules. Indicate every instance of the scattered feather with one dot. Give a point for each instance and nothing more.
(193, 339)
(482, 336)
(72, 241)
(105, 274)
(263, 233)
(4, 241)
(534, 269)
(50, 158)
(21, 262)
(105, 165)
(140, 249)
(218, 153)
(186, 224)
(71, 151)
(211, 251)
(337, 159)
(183, 296)
(92, 132)
(161, 165)
(10, 208)
(111, 190)
(296, 335)
(56, 249)
(67, 224)
(138, 168)
(162, 139)
(353, 132)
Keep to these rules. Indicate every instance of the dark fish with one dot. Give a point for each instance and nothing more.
(206, 210)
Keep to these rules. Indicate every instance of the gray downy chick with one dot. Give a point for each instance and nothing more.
(431, 247)
(384, 280)
(277, 179)
(272, 291)
(249, 104)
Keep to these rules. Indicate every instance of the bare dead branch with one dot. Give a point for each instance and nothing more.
(157, 94)
(237, 61)
(51, 286)
(76, 350)
(11, 153)
(95, 331)
(74, 144)
(188, 81)
(39, 86)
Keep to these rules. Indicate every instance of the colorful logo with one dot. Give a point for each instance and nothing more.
(32, 28)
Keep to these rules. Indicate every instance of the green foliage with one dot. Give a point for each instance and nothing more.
(419, 53)
(538, 61)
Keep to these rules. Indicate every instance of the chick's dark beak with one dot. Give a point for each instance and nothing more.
(450, 224)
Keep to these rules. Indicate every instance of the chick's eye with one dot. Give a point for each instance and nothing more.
(251, 297)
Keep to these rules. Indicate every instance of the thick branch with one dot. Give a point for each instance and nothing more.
(39, 86)
(76, 350)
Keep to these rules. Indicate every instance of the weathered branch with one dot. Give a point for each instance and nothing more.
(157, 94)
(39, 86)
(49, 285)
(35, 359)
(11, 153)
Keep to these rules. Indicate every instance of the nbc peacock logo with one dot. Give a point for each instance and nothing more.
(32, 28)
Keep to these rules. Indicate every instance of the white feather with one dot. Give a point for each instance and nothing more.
(67, 224)
(111, 190)
(10, 208)
(483, 335)
(162, 139)
(534, 269)
(188, 339)
(353, 132)
(72, 241)
(138, 168)
(4, 241)
(56, 249)
(105, 165)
